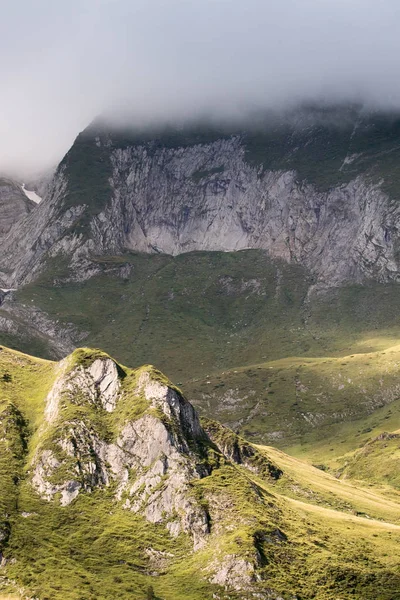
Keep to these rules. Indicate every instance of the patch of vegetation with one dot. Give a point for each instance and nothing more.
(378, 461)
(315, 153)
(88, 167)
(201, 174)
(330, 148)
(84, 357)
(163, 136)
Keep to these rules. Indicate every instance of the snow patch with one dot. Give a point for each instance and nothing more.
(31, 195)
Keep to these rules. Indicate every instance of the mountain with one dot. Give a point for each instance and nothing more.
(317, 188)
(113, 487)
(256, 263)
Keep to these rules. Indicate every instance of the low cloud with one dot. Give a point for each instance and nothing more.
(61, 64)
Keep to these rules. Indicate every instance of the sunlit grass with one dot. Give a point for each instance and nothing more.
(317, 536)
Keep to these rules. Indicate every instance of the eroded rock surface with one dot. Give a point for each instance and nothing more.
(205, 196)
(152, 458)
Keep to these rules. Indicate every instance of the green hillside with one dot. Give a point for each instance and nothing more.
(377, 461)
(298, 530)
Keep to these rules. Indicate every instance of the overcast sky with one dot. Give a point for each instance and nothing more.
(62, 63)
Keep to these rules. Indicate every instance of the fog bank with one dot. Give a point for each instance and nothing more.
(64, 63)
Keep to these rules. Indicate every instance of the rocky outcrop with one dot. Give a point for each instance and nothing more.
(235, 572)
(152, 459)
(240, 452)
(163, 475)
(105, 426)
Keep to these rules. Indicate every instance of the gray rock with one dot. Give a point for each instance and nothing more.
(152, 460)
(159, 203)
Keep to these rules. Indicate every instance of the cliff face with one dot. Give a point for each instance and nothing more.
(303, 193)
(210, 198)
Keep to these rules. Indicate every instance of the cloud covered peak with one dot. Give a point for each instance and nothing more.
(63, 63)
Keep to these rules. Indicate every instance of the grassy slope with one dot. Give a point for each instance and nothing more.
(377, 462)
(95, 550)
(305, 400)
(199, 300)
(324, 489)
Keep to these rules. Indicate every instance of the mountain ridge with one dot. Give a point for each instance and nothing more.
(203, 188)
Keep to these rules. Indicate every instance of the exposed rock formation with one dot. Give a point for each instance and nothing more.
(237, 450)
(159, 205)
(152, 459)
(151, 195)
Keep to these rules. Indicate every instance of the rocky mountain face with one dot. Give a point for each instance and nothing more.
(14, 205)
(202, 247)
(111, 480)
(316, 188)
